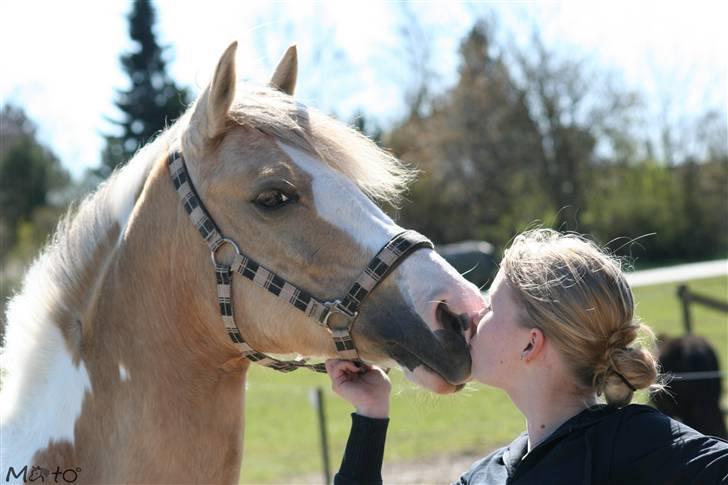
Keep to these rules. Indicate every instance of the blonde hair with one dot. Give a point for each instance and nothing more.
(580, 299)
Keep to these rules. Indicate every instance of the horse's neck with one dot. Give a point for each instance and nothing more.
(174, 406)
(165, 392)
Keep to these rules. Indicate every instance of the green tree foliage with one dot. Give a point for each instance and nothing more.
(632, 204)
(152, 100)
(29, 174)
(539, 137)
(680, 203)
(575, 110)
(476, 150)
(31, 182)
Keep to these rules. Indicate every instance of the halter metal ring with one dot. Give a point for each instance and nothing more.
(223, 241)
(336, 308)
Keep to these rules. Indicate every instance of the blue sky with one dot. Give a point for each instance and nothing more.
(60, 59)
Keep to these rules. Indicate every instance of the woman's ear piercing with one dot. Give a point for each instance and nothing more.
(525, 351)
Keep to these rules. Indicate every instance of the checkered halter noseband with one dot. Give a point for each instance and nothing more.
(337, 316)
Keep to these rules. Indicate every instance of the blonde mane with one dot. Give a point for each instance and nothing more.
(377, 173)
(60, 284)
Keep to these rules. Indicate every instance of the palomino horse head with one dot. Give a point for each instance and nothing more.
(294, 189)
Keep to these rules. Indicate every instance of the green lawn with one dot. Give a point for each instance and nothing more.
(282, 440)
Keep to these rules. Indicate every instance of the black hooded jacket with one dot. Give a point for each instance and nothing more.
(602, 445)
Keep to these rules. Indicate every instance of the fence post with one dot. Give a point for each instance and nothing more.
(317, 396)
(684, 294)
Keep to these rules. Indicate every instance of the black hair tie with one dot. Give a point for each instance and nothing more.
(624, 379)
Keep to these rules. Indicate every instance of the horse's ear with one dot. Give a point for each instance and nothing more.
(211, 112)
(284, 77)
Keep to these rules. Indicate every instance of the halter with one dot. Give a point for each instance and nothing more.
(337, 316)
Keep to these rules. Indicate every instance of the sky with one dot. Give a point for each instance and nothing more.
(60, 60)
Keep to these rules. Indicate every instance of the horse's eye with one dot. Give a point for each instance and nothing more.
(272, 199)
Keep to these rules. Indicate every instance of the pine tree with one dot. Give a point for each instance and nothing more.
(476, 149)
(153, 99)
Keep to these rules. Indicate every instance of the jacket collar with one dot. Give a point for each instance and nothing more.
(515, 453)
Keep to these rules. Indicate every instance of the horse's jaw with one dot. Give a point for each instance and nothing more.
(430, 380)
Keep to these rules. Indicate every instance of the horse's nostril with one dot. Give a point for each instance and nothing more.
(449, 320)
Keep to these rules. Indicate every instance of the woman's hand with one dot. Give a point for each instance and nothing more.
(366, 387)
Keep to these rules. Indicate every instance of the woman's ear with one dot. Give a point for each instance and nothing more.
(534, 346)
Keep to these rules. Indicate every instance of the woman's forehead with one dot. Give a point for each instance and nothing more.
(499, 283)
(501, 290)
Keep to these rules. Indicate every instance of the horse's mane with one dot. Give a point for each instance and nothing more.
(61, 282)
(377, 173)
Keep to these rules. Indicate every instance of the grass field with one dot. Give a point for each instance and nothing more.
(282, 438)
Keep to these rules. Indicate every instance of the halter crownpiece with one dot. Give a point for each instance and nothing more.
(337, 316)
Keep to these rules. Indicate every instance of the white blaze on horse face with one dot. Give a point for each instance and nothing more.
(340, 202)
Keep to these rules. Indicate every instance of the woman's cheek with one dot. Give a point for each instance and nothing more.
(478, 343)
(479, 358)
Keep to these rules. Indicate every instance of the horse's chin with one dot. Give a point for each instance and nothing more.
(440, 380)
(424, 377)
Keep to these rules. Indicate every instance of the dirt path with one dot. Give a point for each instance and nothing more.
(438, 470)
(433, 471)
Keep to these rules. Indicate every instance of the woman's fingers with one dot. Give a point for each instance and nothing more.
(341, 371)
(365, 386)
(338, 366)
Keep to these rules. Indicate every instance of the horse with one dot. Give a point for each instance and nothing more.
(121, 363)
(695, 402)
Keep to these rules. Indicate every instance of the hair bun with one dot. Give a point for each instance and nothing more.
(623, 336)
(630, 368)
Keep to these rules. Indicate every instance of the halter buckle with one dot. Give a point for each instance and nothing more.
(343, 317)
(224, 241)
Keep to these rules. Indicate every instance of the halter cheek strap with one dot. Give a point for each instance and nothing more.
(337, 316)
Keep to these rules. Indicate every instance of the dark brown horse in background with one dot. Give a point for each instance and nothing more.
(696, 402)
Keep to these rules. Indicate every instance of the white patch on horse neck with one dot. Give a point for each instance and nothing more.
(126, 187)
(42, 395)
(340, 202)
(125, 191)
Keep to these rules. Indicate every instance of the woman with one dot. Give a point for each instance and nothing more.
(558, 334)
